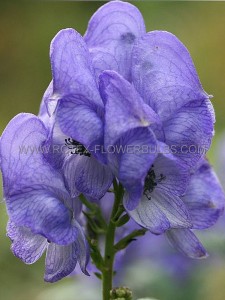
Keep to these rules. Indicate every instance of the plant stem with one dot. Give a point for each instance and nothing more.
(107, 272)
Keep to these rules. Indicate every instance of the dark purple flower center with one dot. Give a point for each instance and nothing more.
(76, 147)
(151, 181)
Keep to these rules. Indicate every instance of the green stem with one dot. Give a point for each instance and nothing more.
(107, 272)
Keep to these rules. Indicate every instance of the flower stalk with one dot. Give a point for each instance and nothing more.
(107, 272)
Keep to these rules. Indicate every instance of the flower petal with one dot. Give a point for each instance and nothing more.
(103, 60)
(43, 112)
(170, 173)
(204, 197)
(72, 70)
(189, 132)
(22, 151)
(34, 191)
(88, 176)
(124, 108)
(74, 85)
(26, 246)
(79, 121)
(115, 27)
(133, 161)
(164, 74)
(43, 213)
(185, 241)
(82, 250)
(60, 261)
(160, 211)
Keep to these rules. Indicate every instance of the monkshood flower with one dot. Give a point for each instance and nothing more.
(151, 97)
(83, 172)
(204, 199)
(42, 214)
(79, 112)
(118, 100)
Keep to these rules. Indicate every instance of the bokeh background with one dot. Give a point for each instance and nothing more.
(26, 29)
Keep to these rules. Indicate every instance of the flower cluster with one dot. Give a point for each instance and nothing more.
(118, 88)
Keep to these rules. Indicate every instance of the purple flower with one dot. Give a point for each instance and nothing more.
(42, 213)
(204, 200)
(170, 107)
(204, 203)
(122, 103)
(122, 88)
(73, 96)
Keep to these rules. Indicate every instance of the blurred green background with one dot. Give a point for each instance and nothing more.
(26, 29)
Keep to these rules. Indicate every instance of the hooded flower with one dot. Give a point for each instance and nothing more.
(151, 96)
(73, 96)
(202, 204)
(119, 98)
(42, 213)
(121, 91)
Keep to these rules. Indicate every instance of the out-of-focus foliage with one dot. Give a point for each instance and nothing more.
(26, 29)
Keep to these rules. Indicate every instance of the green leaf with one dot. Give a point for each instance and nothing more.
(122, 221)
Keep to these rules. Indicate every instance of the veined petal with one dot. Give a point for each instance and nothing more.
(88, 176)
(82, 249)
(204, 197)
(34, 191)
(115, 27)
(71, 67)
(43, 213)
(131, 161)
(160, 211)
(80, 107)
(79, 121)
(102, 60)
(164, 74)
(185, 241)
(44, 113)
(171, 174)
(26, 246)
(22, 151)
(60, 261)
(190, 130)
(124, 108)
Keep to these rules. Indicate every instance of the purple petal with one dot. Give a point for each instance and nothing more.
(43, 213)
(60, 261)
(43, 112)
(160, 211)
(124, 108)
(189, 131)
(115, 27)
(82, 250)
(185, 241)
(102, 60)
(164, 74)
(26, 246)
(74, 85)
(88, 176)
(22, 149)
(79, 121)
(204, 197)
(133, 162)
(33, 190)
(170, 172)
(72, 70)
